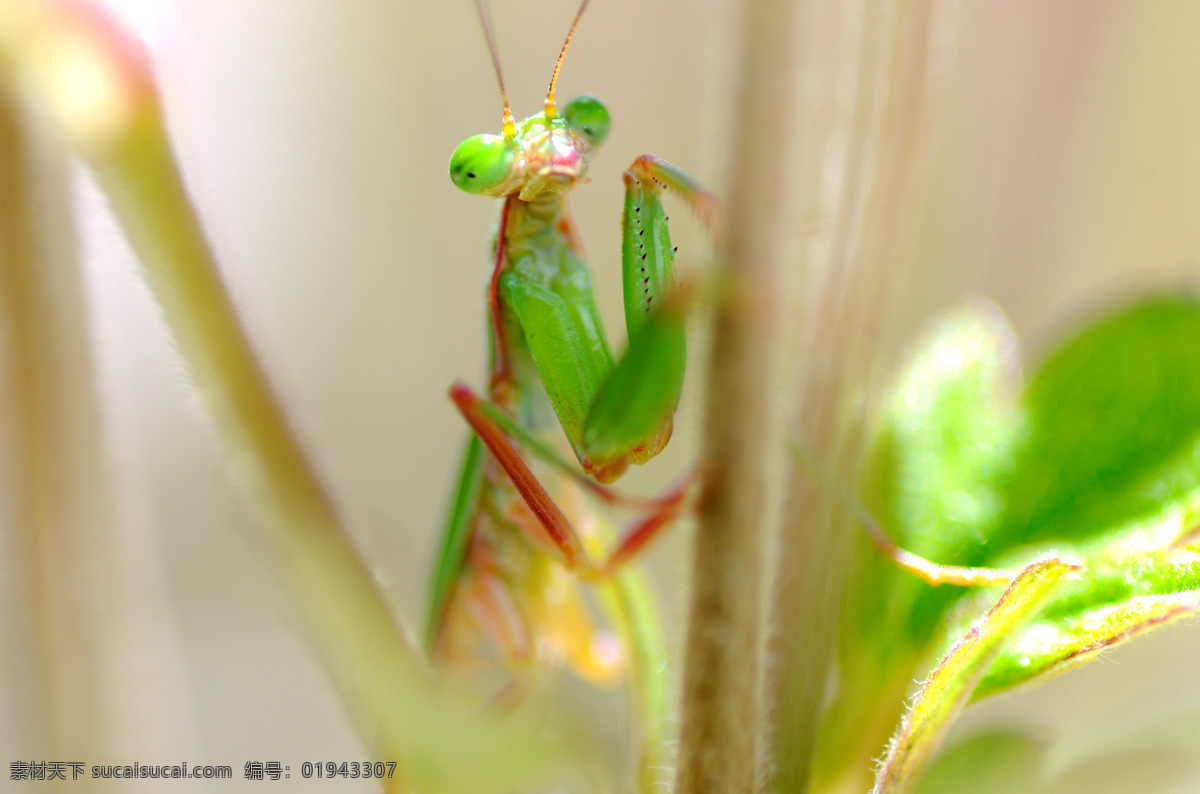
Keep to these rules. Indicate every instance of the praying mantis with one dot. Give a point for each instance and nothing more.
(512, 557)
(506, 540)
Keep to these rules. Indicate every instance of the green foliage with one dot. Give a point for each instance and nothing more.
(1113, 424)
(946, 437)
(1119, 597)
(950, 685)
(1096, 457)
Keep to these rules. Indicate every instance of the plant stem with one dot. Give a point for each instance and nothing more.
(846, 344)
(376, 670)
(720, 712)
(100, 680)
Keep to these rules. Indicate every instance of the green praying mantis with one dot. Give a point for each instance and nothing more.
(506, 539)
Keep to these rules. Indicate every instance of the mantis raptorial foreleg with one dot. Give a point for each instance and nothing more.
(663, 510)
(612, 415)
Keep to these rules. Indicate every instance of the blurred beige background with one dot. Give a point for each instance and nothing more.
(315, 138)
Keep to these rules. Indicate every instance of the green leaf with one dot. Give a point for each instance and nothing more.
(1100, 453)
(949, 687)
(1107, 439)
(947, 432)
(1113, 420)
(1116, 598)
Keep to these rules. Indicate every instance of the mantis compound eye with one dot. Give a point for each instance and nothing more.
(589, 117)
(480, 162)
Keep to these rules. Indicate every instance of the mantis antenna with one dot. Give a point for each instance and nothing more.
(485, 19)
(551, 105)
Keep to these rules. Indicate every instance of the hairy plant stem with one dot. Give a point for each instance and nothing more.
(856, 287)
(374, 667)
(720, 712)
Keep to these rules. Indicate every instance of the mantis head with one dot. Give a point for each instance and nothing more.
(546, 152)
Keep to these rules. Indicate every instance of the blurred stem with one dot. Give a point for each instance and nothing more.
(375, 668)
(720, 712)
(99, 665)
(846, 342)
(95, 81)
(25, 331)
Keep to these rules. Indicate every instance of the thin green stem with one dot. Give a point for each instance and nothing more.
(376, 669)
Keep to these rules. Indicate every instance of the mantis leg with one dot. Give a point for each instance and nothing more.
(558, 527)
(464, 512)
(546, 452)
(632, 413)
(490, 604)
(613, 415)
